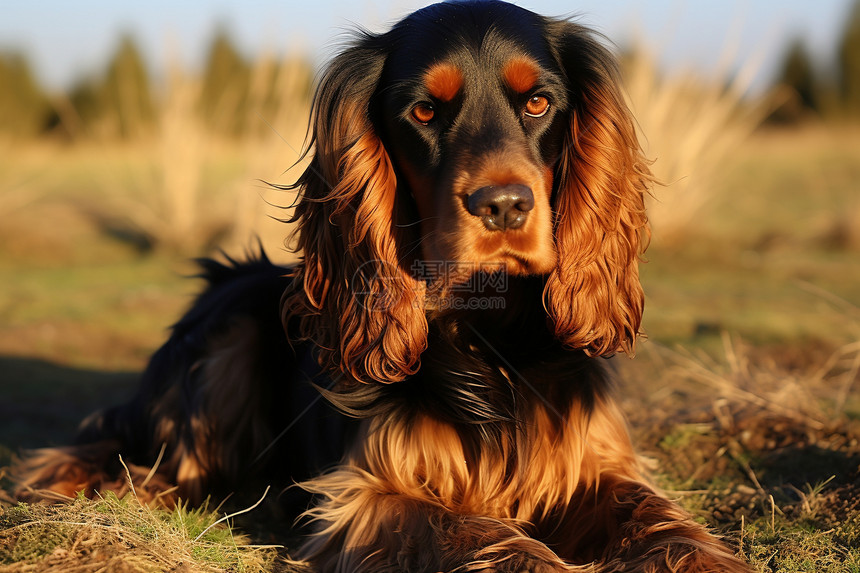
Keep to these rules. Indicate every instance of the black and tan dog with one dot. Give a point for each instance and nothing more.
(471, 223)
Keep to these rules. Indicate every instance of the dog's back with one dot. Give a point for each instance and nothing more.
(220, 403)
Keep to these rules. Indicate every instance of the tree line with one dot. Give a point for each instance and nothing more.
(123, 102)
(831, 90)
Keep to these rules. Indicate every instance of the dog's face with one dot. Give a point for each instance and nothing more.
(473, 118)
(477, 136)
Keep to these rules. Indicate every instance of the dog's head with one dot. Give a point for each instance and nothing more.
(475, 137)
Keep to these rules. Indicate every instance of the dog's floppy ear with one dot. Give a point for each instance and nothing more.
(594, 296)
(356, 302)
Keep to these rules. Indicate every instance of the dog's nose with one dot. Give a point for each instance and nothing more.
(502, 207)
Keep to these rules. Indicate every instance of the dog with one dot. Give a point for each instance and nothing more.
(471, 223)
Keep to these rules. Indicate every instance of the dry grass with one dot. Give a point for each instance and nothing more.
(763, 447)
(273, 152)
(112, 534)
(159, 196)
(690, 124)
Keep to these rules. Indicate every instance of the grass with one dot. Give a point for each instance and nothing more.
(693, 297)
(759, 443)
(112, 534)
(132, 301)
(771, 253)
(691, 124)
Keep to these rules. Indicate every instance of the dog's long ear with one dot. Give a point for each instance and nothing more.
(594, 295)
(358, 305)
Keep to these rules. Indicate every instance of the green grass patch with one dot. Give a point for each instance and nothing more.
(798, 546)
(87, 535)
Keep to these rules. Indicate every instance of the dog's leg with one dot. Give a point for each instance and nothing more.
(619, 522)
(627, 526)
(655, 534)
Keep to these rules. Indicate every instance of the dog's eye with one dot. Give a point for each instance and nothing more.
(537, 106)
(423, 113)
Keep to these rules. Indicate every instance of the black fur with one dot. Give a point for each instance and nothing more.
(307, 436)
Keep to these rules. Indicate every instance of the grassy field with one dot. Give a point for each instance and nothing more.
(743, 392)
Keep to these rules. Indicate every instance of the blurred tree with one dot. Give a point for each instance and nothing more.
(278, 89)
(126, 93)
(85, 99)
(119, 103)
(24, 107)
(798, 76)
(848, 63)
(226, 82)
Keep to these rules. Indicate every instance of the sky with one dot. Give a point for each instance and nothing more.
(66, 40)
